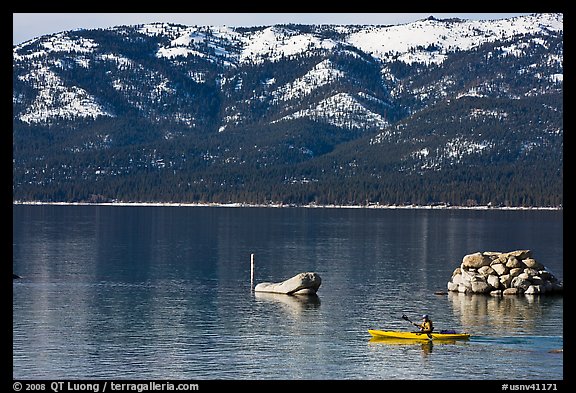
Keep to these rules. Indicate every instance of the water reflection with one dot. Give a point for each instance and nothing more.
(426, 346)
(408, 341)
(294, 304)
(515, 314)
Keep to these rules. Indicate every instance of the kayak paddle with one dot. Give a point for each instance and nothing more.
(407, 319)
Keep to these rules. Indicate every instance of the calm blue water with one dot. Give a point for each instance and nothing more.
(113, 292)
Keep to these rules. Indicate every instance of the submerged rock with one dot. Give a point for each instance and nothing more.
(498, 273)
(301, 284)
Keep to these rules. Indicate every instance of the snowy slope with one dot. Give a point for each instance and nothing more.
(341, 110)
(428, 41)
(41, 66)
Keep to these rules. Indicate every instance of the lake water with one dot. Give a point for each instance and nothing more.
(142, 292)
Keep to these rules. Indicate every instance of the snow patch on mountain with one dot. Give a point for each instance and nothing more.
(455, 150)
(54, 100)
(120, 61)
(556, 78)
(341, 110)
(208, 42)
(56, 43)
(273, 43)
(151, 97)
(169, 30)
(427, 41)
(322, 74)
(388, 135)
(477, 113)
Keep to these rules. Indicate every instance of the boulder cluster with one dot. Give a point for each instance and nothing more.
(508, 273)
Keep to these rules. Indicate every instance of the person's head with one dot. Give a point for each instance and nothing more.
(425, 317)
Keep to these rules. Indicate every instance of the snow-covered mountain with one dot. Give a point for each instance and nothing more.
(265, 85)
(41, 64)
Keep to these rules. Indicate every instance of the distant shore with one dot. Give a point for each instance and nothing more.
(280, 205)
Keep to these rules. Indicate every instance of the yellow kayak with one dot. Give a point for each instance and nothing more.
(417, 335)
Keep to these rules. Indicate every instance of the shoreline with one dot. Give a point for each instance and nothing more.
(279, 205)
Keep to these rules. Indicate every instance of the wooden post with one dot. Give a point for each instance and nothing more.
(251, 271)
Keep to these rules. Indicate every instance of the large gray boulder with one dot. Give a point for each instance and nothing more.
(301, 284)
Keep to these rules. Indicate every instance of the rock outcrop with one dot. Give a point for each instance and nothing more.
(301, 284)
(498, 273)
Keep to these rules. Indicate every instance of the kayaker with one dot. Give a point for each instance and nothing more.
(426, 326)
